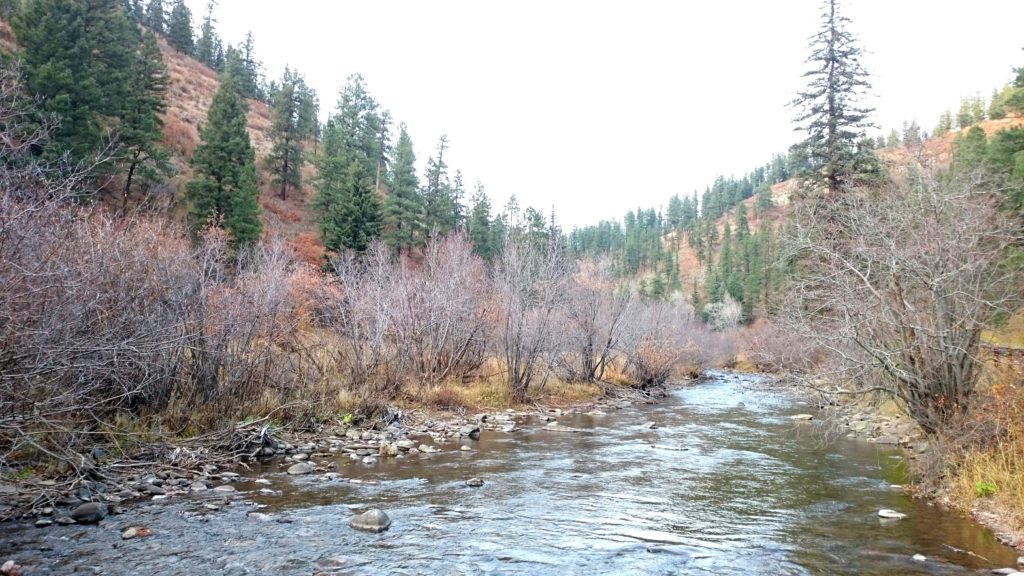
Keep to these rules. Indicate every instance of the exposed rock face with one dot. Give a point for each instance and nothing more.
(373, 520)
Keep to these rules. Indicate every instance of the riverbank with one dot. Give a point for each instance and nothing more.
(103, 482)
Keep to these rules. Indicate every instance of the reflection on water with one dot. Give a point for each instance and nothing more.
(721, 486)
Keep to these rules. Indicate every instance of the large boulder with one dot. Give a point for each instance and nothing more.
(470, 431)
(373, 520)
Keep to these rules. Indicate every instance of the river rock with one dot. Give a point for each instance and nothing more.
(427, 449)
(1020, 561)
(405, 444)
(369, 460)
(470, 431)
(90, 512)
(9, 568)
(803, 417)
(465, 448)
(199, 485)
(650, 425)
(919, 557)
(373, 520)
(135, 532)
(474, 482)
(887, 439)
(389, 449)
(224, 488)
(301, 468)
(43, 523)
(891, 514)
(65, 520)
(152, 489)
(301, 456)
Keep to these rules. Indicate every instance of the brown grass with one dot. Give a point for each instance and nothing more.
(995, 463)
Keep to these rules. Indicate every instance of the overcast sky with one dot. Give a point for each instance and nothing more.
(596, 107)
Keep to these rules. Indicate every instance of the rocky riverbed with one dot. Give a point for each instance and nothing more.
(718, 478)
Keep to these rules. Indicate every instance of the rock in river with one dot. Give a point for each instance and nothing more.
(90, 512)
(373, 520)
(301, 468)
(891, 514)
(474, 482)
(470, 431)
(802, 417)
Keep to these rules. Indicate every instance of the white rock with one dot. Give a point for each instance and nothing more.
(919, 557)
(802, 417)
(891, 514)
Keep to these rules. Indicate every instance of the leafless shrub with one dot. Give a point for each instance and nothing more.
(590, 323)
(898, 284)
(440, 318)
(529, 288)
(773, 348)
(367, 296)
(660, 338)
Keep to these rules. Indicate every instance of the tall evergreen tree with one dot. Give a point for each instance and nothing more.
(155, 16)
(403, 207)
(349, 211)
(479, 227)
(293, 120)
(206, 44)
(829, 106)
(141, 127)
(179, 28)
(78, 58)
(224, 190)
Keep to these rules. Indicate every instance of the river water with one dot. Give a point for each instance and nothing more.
(726, 484)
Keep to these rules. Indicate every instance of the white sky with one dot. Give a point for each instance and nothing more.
(598, 107)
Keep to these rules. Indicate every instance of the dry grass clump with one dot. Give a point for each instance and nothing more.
(986, 469)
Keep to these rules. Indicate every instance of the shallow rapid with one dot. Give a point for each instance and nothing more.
(726, 483)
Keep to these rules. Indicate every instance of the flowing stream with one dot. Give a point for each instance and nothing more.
(726, 484)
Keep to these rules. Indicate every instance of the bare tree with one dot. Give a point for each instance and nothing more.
(591, 322)
(529, 283)
(897, 284)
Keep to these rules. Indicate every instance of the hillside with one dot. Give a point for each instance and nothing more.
(189, 94)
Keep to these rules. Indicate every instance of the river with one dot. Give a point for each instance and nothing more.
(726, 483)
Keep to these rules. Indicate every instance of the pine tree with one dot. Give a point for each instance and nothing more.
(945, 124)
(479, 225)
(441, 210)
(293, 120)
(349, 211)
(179, 27)
(964, 117)
(141, 127)
(830, 113)
(224, 191)
(403, 207)
(206, 45)
(911, 134)
(77, 57)
(155, 16)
